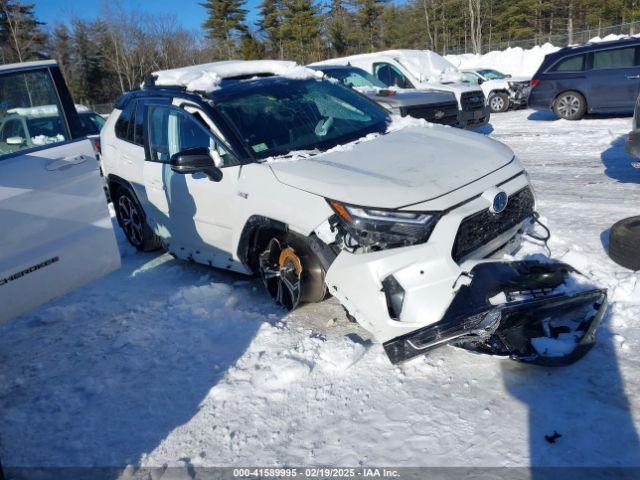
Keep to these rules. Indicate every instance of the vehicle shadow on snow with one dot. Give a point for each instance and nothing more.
(549, 116)
(486, 129)
(585, 403)
(542, 116)
(617, 162)
(84, 385)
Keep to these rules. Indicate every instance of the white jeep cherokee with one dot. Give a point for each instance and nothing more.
(265, 167)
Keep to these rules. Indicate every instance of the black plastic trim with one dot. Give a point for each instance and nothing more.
(254, 224)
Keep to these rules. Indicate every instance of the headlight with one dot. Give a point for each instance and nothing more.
(380, 229)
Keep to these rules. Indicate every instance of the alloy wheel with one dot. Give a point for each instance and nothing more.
(497, 103)
(568, 106)
(131, 220)
(281, 272)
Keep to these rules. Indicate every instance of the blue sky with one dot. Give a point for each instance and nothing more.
(190, 13)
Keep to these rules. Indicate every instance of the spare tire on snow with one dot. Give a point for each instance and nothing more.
(624, 243)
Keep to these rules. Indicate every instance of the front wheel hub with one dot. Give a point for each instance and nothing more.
(281, 272)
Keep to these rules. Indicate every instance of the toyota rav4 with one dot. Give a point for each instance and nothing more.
(265, 167)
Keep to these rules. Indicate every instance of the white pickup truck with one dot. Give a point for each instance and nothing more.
(56, 230)
(423, 70)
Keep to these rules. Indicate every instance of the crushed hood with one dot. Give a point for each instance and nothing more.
(408, 166)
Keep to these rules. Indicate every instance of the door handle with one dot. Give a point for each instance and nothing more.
(65, 163)
(633, 77)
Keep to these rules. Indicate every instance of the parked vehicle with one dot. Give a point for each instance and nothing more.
(599, 77)
(502, 91)
(91, 122)
(432, 105)
(632, 145)
(265, 167)
(56, 229)
(422, 70)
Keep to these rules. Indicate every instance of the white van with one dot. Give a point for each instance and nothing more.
(56, 230)
(423, 70)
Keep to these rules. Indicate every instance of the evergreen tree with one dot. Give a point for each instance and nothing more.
(300, 29)
(225, 19)
(60, 45)
(339, 31)
(368, 20)
(21, 36)
(252, 49)
(270, 25)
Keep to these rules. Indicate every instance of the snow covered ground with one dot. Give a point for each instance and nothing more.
(165, 362)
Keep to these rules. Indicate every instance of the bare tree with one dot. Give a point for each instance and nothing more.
(475, 20)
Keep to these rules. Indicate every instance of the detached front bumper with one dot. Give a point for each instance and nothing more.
(525, 310)
(474, 118)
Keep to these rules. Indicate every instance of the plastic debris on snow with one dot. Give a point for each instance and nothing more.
(207, 77)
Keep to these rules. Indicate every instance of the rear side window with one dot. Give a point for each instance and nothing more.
(139, 122)
(30, 113)
(571, 64)
(614, 58)
(124, 125)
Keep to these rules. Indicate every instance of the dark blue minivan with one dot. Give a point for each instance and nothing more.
(591, 78)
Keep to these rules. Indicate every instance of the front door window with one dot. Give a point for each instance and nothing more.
(30, 114)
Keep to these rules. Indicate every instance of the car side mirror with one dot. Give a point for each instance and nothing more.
(195, 160)
(15, 141)
(508, 75)
(480, 81)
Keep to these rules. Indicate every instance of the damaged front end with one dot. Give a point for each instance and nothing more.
(420, 279)
(529, 311)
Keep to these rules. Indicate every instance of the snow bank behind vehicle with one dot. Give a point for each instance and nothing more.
(513, 60)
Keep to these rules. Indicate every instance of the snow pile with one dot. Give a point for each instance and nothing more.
(82, 108)
(207, 77)
(425, 65)
(41, 111)
(611, 37)
(45, 140)
(515, 61)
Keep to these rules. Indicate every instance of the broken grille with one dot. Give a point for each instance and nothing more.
(482, 227)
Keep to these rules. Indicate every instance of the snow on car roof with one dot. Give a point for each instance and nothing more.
(82, 108)
(425, 65)
(41, 111)
(207, 77)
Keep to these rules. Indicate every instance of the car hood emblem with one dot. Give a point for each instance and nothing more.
(439, 114)
(500, 202)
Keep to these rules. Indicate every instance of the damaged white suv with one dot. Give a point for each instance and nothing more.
(265, 167)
